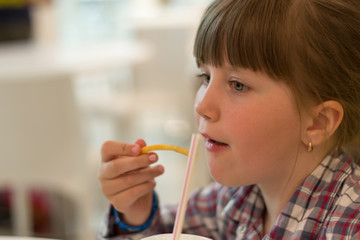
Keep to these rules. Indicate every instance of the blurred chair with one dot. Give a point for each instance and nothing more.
(41, 145)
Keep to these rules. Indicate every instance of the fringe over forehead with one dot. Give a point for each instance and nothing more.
(246, 33)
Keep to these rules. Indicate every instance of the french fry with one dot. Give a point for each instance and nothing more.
(165, 147)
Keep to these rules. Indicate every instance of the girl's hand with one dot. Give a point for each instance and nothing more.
(127, 179)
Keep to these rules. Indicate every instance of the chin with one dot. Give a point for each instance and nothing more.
(224, 179)
(228, 179)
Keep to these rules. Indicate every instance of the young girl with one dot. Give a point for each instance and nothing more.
(279, 110)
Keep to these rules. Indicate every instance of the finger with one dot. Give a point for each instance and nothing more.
(129, 180)
(112, 149)
(119, 166)
(126, 198)
(140, 142)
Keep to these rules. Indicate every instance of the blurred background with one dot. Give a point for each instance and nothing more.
(75, 73)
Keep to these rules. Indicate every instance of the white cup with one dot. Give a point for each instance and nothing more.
(169, 236)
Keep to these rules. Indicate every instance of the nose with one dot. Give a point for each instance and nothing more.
(207, 103)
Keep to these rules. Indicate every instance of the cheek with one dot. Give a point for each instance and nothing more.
(268, 133)
(259, 148)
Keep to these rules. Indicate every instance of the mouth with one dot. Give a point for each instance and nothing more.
(215, 142)
(212, 144)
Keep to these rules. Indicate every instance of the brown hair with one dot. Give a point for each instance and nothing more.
(312, 45)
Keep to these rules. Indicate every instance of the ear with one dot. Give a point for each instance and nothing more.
(323, 122)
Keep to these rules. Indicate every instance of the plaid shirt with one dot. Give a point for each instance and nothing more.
(325, 206)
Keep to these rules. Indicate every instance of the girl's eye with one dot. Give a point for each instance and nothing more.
(205, 78)
(238, 86)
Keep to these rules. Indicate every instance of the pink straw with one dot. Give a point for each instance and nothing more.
(180, 215)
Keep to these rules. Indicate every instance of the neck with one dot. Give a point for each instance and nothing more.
(278, 191)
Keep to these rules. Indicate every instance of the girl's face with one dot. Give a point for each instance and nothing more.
(250, 124)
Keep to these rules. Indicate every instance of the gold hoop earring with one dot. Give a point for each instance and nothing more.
(310, 147)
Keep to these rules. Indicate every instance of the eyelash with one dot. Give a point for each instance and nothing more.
(241, 85)
(205, 78)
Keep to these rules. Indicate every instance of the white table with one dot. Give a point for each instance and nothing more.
(22, 238)
(21, 61)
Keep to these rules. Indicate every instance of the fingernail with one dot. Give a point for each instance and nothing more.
(152, 158)
(160, 169)
(135, 149)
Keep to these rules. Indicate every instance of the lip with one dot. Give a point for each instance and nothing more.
(213, 145)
